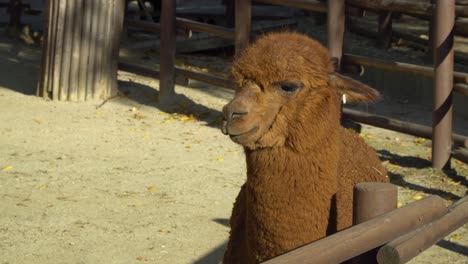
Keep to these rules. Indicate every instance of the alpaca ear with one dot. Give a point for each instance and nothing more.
(355, 91)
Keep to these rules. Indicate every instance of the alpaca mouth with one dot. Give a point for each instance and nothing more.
(236, 135)
(251, 131)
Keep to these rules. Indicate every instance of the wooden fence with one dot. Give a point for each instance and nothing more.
(445, 79)
(382, 234)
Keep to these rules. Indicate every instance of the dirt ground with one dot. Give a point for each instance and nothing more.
(128, 181)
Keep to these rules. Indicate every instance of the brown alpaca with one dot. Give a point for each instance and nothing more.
(301, 164)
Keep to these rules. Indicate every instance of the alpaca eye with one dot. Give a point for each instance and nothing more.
(290, 87)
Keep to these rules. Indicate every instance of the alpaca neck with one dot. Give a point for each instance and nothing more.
(290, 190)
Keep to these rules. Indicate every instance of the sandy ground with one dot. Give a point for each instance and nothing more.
(129, 182)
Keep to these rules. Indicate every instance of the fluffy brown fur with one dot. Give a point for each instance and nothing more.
(301, 164)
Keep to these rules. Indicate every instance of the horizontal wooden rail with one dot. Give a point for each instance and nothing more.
(460, 154)
(408, 246)
(311, 5)
(184, 27)
(203, 77)
(461, 88)
(459, 77)
(144, 71)
(204, 27)
(421, 8)
(399, 126)
(154, 27)
(424, 8)
(363, 237)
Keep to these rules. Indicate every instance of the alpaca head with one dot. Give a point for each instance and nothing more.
(284, 80)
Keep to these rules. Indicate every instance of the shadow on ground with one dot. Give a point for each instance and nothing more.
(215, 256)
(418, 163)
(453, 247)
(180, 104)
(403, 161)
(17, 74)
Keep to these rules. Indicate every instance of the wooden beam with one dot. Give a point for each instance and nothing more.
(425, 8)
(167, 51)
(243, 19)
(155, 27)
(442, 109)
(180, 72)
(372, 199)
(188, 24)
(460, 154)
(408, 246)
(335, 31)
(459, 77)
(310, 5)
(361, 238)
(207, 78)
(399, 126)
(461, 88)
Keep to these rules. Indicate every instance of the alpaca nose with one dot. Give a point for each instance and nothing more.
(231, 113)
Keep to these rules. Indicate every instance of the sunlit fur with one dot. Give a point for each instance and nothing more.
(301, 164)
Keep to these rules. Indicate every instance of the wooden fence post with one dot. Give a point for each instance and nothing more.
(370, 200)
(336, 24)
(167, 51)
(81, 48)
(443, 83)
(15, 10)
(385, 29)
(242, 22)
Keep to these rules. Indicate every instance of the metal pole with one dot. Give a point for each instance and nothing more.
(167, 50)
(370, 200)
(336, 24)
(242, 22)
(443, 83)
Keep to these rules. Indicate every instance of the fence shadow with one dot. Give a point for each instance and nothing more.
(453, 174)
(453, 247)
(180, 104)
(399, 180)
(403, 161)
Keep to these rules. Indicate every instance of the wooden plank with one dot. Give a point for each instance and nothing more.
(408, 246)
(118, 21)
(242, 20)
(203, 77)
(461, 88)
(442, 109)
(94, 6)
(155, 27)
(188, 24)
(361, 238)
(460, 154)
(395, 66)
(203, 41)
(425, 8)
(57, 48)
(310, 5)
(75, 53)
(85, 50)
(372, 199)
(335, 31)
(399, 126)
(167, 51)
(66, 38)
